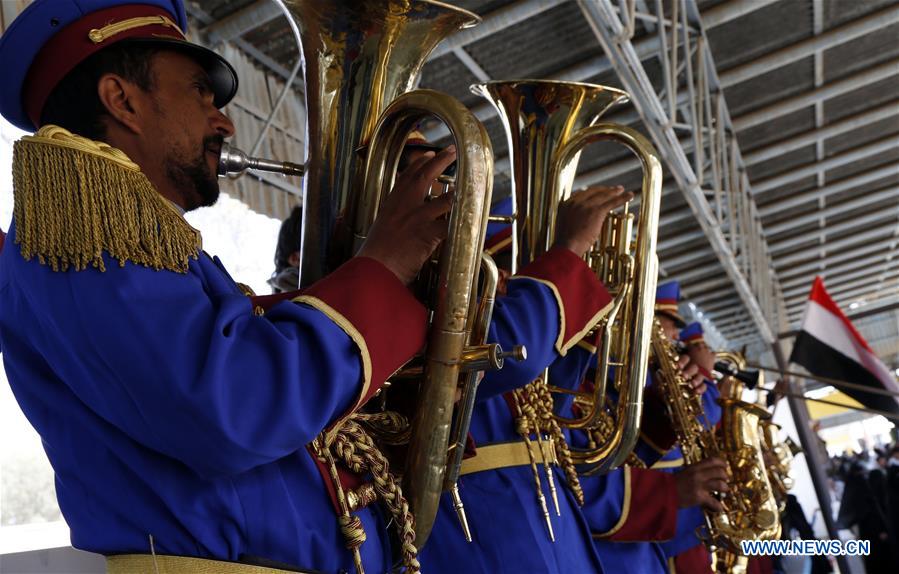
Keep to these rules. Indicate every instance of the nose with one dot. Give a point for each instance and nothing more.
(222, 124)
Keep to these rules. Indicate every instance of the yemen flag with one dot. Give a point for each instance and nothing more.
(829, 346)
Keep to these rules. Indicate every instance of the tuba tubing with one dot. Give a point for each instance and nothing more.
(450, 334)
(638, 303)
(548, 123)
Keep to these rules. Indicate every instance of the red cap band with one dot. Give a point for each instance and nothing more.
(73, 44)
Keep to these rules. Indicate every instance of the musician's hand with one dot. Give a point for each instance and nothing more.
(702, 355)
(580, 218)
(692, 374)
(408, 229)
(697, 483)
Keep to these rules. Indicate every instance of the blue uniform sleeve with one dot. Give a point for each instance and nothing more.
(710, 405)
(550, 305)
(181, 364)
(527, 315)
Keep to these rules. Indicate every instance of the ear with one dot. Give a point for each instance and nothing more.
(123, 101)
(294, 259)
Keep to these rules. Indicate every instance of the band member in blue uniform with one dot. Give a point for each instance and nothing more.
(511, 484)
(176, 418)
(631, 509)
(685, 552)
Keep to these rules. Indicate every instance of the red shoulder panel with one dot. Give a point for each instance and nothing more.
(582, 297)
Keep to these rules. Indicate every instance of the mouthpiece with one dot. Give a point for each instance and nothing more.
(234, 161)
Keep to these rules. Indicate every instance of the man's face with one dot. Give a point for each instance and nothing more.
(669, 326)
(702, 355)
(186, 129)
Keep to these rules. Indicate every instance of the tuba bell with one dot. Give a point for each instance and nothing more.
(548, 124)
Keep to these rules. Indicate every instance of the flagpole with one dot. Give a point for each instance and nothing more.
(816, 465)
(828, 380)
(884, 414)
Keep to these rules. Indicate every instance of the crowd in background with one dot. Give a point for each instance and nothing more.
(867, 488)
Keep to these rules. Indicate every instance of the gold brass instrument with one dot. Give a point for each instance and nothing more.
(696, 441)
(361, 58)
(750, 512)
(780, 454)
(548, 124)
(751, 503)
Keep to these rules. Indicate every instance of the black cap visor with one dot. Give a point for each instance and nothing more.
(221, 74)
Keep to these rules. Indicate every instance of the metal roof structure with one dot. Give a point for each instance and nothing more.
(778, 122)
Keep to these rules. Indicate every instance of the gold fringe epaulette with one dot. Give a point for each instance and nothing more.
(76, 198)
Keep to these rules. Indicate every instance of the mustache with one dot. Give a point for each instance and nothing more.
(214, 142)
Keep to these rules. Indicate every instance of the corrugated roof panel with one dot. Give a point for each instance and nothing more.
(556, 39)
(219, 9)
(782, 163)
(864, 98)
(866, 51)
(759, 32)
(885, 206)
(880, 184)
(885, 128)
(777, 129)
(861, 166)
(838, 12)
(449, 75)
(481, 7)
(785, 191)
(783, 215)
(771, 87)
(276, 40)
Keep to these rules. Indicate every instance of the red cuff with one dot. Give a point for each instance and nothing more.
(655, 426)
(650, 509)
(377, 311)
(696, 559)
(583, 299)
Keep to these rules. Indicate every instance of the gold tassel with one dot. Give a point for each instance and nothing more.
(75, 198)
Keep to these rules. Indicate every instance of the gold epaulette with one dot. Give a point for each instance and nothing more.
(76, 198)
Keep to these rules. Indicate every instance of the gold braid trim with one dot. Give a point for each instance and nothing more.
(350, 526)
(386, 427)
(545, 410)
(76, 198)
(356, 449)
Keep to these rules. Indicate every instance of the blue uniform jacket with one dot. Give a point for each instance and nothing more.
(692, 518)
(624, 507)
(167, 408)
(549, 307)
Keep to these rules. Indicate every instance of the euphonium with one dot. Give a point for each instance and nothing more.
(751, 506)
(360, 59)
(548, 123)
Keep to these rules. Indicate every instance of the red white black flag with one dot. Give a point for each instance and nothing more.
(829, 346)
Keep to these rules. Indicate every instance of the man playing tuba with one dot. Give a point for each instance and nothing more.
(175, 418)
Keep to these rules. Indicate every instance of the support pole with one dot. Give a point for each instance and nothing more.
(809, 442)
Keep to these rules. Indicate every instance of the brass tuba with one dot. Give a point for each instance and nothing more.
(548, 123)
(361, 58)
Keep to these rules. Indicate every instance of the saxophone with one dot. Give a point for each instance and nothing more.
(754, 507)
(696, 441)
(779, 458)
